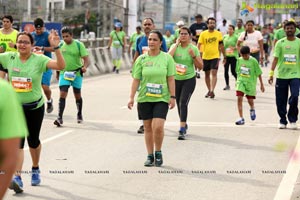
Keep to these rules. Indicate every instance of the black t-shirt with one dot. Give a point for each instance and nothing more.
(196, 29)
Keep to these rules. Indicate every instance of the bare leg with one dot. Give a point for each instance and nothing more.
(214, 73)
(207, 79)
(149, 136)
(240, 105)
(35, 155)
(158, 132)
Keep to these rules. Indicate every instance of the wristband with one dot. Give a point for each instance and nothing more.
(271, 73)
(173, 97)
(55, 48)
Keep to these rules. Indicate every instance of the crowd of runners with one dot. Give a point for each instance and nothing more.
(164, 71)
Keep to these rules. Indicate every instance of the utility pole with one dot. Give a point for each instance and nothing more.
(189, 12)
(215, 8)
(126, 15)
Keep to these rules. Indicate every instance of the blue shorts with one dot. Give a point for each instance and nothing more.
(46, 79)
(76, 83)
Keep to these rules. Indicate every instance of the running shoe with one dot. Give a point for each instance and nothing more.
(117, 71)
(212, 95)
(141, 130)
(282, 126)
(198, 75)
(158, 159)
(114, 68)
(241, 121)
(227, 87)
(150, 161)
(252, 114)
(16, 184)
(181, 135)
(79, 119)
(58, 122)
(50, 106)
(35, 177)
(293, 126)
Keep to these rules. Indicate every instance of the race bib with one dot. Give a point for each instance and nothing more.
(70, 76)
(229, 52)
(180, 69)
(154, 90)
(145, 49)
(198, 32)
(117, 43)
(245, 72)
(21, 84)
(289, 59)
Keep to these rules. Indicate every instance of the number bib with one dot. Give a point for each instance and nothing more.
(289, 59)
(70, 76)
(245, 72)
(229, 52)
(180, 69)
(154, 90)
(21, 84)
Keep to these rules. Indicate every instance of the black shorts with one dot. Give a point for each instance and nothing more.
(211, 64)
(150, 110)
(266, 48)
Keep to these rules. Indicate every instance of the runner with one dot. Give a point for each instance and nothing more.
(73, 52)
(230, 41)
(142, 48)
(280, 33)
(154, 72)
(42, 46)
(223, 27)
(266, 44)
(133, 38)
(8, 37)
(212, 42)
(254, 40)
(185, 55)
(196, 30)
(176, 34)
(25, 70)
(239, 27)
(168, 38)
(247, 72)
(10, 133)
(286, 60)
(118, 43)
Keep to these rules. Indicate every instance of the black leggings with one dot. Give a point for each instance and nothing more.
(34, 119)
(184, 90)
(232, 62)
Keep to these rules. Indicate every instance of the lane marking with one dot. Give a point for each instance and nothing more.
(52, 138)
(286, 187)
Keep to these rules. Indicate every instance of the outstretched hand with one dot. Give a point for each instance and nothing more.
(54, 38)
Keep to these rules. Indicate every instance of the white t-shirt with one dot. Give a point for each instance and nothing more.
(251, 40)
(223, 29)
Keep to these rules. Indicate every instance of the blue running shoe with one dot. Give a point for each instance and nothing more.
(16, 184)
(252, 114)
(35, 177)
(241, 121)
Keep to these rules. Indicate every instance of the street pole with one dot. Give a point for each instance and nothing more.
(126, 15)
(28, 9)
(189, 13)
(215, 8)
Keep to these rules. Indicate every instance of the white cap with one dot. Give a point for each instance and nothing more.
(180, 23)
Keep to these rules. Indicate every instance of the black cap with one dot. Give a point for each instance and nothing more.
(38, 23)
(199, 16)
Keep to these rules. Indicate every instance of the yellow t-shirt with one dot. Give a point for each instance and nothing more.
(210, 44)
(6, 38)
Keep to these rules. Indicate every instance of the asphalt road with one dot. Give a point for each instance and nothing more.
(103, 157)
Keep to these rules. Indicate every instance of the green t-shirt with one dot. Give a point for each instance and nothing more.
(247, 72)
(72, 54)
(287, 53)
(12, 120)
(134, 38)
(169, 40)
(238, 31)
(184, 62)
(153, 71)
(176, 34)
(25, 77)
(5, 39)
(280, 33)
(230, 41)
(117, 43)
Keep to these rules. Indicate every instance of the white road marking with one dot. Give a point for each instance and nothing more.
(286, 187)
(52, 138)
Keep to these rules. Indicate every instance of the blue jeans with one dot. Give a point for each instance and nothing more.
(282, 92)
